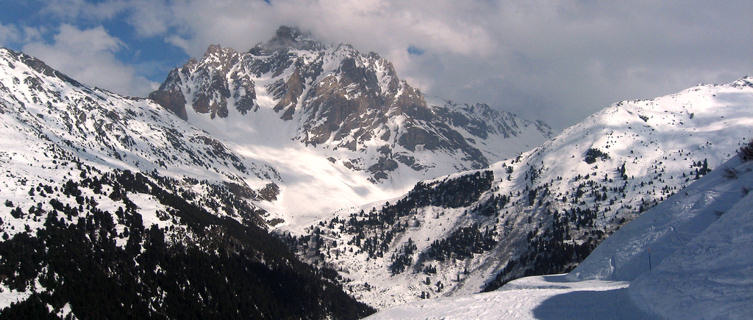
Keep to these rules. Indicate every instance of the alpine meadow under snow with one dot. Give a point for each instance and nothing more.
(307, 180)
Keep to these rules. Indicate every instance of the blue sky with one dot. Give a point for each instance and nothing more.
(150, 57)
(553, 60)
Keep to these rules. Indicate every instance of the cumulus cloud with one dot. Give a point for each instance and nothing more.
(88, 55)
(8, 34)
(557, 61)
(86, 10)
(12, 34)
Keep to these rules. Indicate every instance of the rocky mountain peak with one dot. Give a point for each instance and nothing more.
(290, 37)
(746, 81)
(545, 210)
(219, 58)
(207, 84)
(342, 100)
(161, 185)
(216, 50)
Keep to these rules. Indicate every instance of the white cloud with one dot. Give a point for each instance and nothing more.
(556, 60)
(8, 34)
(32, 34)
(11, 34)
(82, 9)
(88, 56)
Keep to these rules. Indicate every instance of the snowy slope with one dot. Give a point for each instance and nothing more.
(538, 297)
(542, 212)
(47, 116)
(699, 243)
(338, 124)
(48, 120)
(699, 240)
(672, 224)
(710, 277)
(105, 198)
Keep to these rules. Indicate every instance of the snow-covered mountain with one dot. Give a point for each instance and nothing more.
(157, 200)
(542, 212)
(46, 115)
(339, 125)
(113, 203)
(687, 258)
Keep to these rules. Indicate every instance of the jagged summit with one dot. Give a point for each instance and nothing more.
(351, 107)
(290, 37)
(746, 81)
(109, 128)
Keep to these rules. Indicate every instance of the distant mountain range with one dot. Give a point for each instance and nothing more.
(306, 180)
(176, 206)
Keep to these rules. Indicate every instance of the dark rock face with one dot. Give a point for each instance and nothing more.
(291, 37)
(269, 192)
(171, 98)
(382, 166)
(287, 92)
(338, 97)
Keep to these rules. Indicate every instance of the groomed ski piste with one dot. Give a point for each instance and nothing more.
(689, 257)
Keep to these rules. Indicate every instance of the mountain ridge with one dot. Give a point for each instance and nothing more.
(112, 205)
(284, 134)
(378, 134)
(685, 258)
(544, 211)
(338, 77)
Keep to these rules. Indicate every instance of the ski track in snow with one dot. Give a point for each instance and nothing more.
(539, 297)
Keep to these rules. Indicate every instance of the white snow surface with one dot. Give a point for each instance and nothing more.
(49, 121)
(539, 297)
(56, 130)
(702, 265)
(658, 141)
(711, 277)
(669, 226)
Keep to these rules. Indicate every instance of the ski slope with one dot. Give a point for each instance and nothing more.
(538, 297)
(701, 266)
